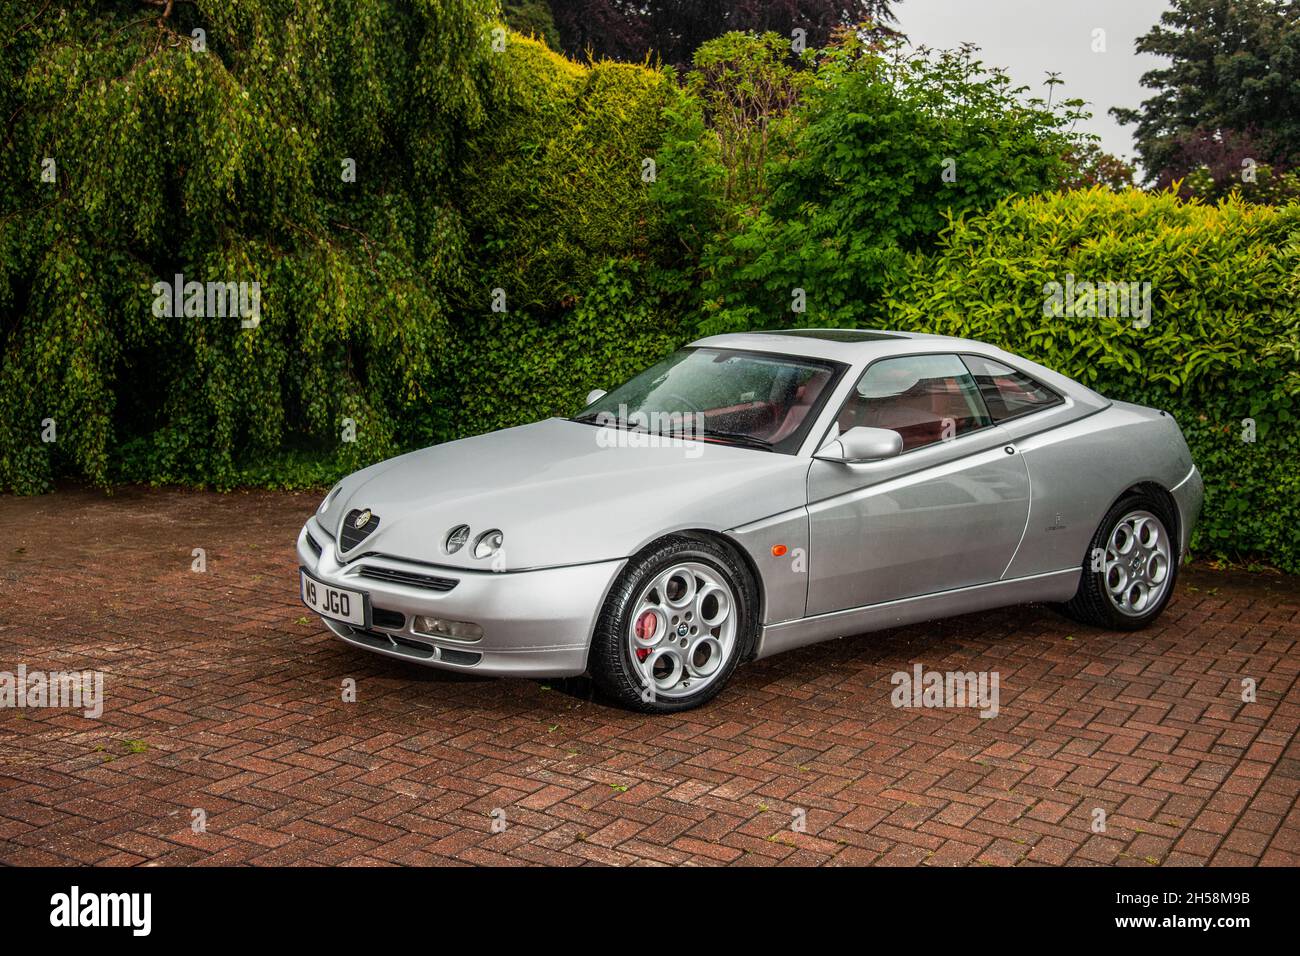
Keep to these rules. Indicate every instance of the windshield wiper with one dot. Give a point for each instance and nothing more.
(621, 425)
(735, 438)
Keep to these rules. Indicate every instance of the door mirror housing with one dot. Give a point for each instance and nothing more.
(595, 395)
(862, 444)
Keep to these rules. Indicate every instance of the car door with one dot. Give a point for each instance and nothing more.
(948, 512)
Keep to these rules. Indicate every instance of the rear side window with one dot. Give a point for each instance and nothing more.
(1007, 393)
(925, 398)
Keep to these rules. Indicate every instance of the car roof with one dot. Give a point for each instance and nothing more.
(842, 345)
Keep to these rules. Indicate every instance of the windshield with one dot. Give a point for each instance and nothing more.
(752, 399)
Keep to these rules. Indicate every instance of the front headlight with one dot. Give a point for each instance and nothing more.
(488, 543)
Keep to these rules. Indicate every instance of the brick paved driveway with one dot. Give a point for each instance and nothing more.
(223, 696)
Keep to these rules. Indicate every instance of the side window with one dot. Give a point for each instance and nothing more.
(925, 398)
(1008, 393)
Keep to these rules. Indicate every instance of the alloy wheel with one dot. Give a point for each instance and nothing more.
(1138, 565)
(683, 630)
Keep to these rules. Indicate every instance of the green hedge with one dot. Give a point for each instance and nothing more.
(1223, 344)
(562, 221)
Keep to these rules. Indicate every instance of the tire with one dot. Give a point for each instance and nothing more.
(675, 624)
(1108, 597)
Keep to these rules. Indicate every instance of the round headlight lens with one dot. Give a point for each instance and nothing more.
(488, 543)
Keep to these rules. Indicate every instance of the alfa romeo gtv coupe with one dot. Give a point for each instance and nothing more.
(750, 494)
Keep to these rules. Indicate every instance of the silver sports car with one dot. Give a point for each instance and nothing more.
(753, 493)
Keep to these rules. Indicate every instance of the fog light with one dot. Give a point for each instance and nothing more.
(454, 630)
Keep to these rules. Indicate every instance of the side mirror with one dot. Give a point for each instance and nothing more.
(595, 395)
(862, 444)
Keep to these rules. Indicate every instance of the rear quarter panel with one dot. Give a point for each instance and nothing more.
(1078, 470)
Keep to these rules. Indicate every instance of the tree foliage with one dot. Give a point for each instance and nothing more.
(1088, 165)
(1214, 165)
(672, 30)
(884, 144)
(747, 87)
(211, 140)
(532, 18)
(564, 233)
(1232, 67)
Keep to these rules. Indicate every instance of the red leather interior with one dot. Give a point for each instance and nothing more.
(804, 397)
(749, 417)
(771, 420)
(918, 414)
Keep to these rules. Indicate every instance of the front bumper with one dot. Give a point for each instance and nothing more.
(535, 623)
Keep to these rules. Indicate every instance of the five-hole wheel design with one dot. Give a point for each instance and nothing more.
(683, 630)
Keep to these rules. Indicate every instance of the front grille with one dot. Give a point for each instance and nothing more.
(312, 545)
(350, 535)
(429, 582)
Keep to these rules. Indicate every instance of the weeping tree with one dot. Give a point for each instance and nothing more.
(228, 228)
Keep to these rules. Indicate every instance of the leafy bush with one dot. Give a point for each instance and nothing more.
(561, 221)
(883, 144)
(519, 370)
(748, 86)
(481, 168)
(552, 185)
(1223, 344)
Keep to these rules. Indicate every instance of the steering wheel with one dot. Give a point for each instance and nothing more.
(688, 409)
(678, 398)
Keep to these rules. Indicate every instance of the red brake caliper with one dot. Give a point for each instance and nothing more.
(645, 630)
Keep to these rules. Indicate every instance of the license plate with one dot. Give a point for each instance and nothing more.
(339, 604)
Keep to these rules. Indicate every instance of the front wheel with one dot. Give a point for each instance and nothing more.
(674, 626)
(1130, 569)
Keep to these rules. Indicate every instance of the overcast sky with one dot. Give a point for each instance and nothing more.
(1031, 37)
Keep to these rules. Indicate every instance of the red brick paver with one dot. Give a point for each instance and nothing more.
(224, 696)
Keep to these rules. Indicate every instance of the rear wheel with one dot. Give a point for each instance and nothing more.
(1130, 568)
(674, 626)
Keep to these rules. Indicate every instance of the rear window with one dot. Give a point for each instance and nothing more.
(1008, 393)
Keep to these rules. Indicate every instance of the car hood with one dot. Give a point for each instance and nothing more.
(563, 492)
